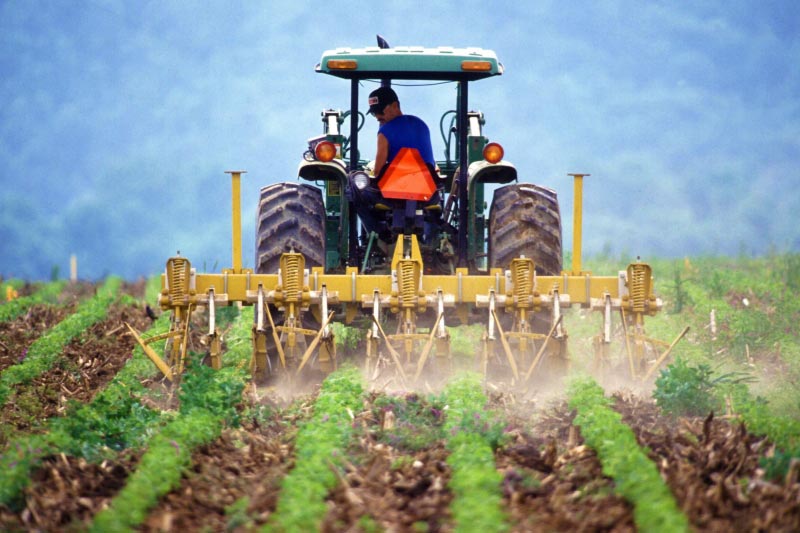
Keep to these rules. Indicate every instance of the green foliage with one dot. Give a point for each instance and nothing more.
(347, 338)
(216, 391)
(636, 478)
(418, 422)
(475, 482)
(784, 431)
(113, 420)
(464, 339)
(682, 389)
(681, 296)
(367, 524)
(159, 470)
(47, 293)
(48, 347)
(17, 461)
(237, 515)
(320, 441)
(208, 400)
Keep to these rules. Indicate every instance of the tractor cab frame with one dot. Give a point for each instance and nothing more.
(463, 175)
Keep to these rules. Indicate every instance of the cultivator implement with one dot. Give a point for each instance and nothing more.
(415, 263)
(522, 312)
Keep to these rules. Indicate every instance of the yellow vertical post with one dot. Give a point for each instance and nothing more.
(577, 222)
(236, 218)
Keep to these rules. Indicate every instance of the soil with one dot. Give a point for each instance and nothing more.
(551, 480)
(89, 362)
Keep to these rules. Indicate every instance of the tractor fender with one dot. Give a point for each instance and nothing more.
(321, 171)
(485, 172)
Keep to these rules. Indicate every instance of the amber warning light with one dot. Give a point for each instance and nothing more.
(342, 64)
(480, 66)
(325, 151)
(493, 153)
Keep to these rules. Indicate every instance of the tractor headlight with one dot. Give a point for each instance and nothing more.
(360, 179)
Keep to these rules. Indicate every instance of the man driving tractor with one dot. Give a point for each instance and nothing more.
(396, 132)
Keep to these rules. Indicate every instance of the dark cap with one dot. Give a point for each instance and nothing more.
(380, 98)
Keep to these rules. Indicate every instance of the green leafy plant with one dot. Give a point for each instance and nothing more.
(418, 421)
(475, 482)
(47, 348)
(695, 390)
(320, 441)
(682, 389)
(636, 478)
(47, 293)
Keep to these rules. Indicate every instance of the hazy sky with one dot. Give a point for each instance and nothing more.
(687, 115)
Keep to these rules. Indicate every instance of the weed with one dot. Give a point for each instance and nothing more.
(237, 515)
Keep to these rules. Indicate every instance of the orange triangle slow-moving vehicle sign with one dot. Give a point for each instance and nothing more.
(407, 178)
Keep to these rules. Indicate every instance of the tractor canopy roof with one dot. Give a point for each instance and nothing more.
(410, 63)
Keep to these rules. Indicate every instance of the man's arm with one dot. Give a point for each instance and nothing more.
(381, 154)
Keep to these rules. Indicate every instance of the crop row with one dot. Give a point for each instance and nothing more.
(114, 420)
(17, 306)
(46, 349)
(208, 401)
(472, 437)
(319, 445)
(636, 478)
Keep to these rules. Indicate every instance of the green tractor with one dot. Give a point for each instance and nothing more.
(441, 260)
(316, 219)
(319, 222)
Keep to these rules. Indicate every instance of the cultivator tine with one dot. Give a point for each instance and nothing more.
(154, 357)
(372, 335)
(213, 334)
(665, 354)
(542, 348)
(557, 314)
(428, 345)
(327, 348)
(178, 358)
(313, 345)
(260, 364)
(276, 338)
(628, 351)
(506, 348)
(488, 335)
(395, 356)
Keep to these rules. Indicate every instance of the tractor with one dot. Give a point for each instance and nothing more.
(439, 263)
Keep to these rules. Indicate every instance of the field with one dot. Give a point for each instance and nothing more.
(93, 439)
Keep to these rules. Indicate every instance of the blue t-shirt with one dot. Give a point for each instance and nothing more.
(408, 131)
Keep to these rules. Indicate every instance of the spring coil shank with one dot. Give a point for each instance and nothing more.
(522, 278)
(292, 266)
(408, 281)
(178, 273)
(639, 276)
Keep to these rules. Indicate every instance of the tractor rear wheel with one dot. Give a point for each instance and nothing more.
(525, 220)
(291, 216)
